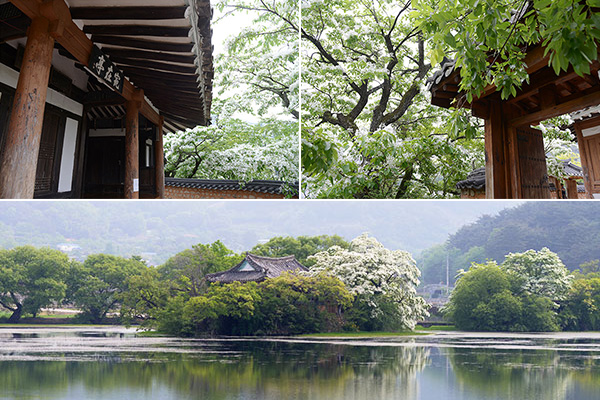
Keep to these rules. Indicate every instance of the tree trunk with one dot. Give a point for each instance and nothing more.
(408, 175)
(16, 315)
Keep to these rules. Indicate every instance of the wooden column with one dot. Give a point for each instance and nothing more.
(159, 157)
(496, 178)
(572, 189)
(19, 159)
(132, 143)
(589, 158)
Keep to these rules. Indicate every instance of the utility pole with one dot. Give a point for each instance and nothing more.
(447, 272)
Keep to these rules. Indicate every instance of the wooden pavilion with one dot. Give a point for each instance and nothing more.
(88, 88)
(255, 268)
(514, 151)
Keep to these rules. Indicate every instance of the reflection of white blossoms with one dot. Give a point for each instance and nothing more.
(375, 275)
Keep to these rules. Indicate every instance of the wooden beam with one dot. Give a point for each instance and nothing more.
(159, 75)
(131, 13)
(143, 43)
(137, 30)
(144, 63)
(148, 55)
(539, 80)
(579, 103)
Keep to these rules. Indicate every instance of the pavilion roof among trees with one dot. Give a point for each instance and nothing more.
(255, 268)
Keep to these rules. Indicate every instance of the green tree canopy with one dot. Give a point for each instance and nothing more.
(31, 278)
(96, 285)
(489, 297)
(187, 269)
(302, 247)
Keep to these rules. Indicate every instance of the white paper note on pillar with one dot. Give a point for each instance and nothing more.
(136, 185)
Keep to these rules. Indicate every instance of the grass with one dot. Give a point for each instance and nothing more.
(152, 334)
(363, 334)
(436, 328)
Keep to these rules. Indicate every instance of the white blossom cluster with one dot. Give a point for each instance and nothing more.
(373, 273)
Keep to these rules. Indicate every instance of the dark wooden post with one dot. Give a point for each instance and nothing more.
(19, 159)
(496, 178)
(132, 144)
(159, 156)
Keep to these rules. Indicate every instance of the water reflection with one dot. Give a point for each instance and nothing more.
(73, 366)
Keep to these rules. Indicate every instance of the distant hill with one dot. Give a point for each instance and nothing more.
(158, 230)
(570, 229)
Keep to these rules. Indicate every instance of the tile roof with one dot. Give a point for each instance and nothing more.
(261, 268)
(476, 178)
(259, 186)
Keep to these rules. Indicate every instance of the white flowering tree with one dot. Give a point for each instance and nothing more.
(382, 280)
(235, 149)
(369, 130)
(254, 132)
(541, 273)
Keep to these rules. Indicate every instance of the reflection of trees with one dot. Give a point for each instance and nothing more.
(540, 374)
(263, 370)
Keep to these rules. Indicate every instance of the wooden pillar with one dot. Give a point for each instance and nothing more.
(132, 144)
(587, 156)
(572, 189)
(159, 157)
(19, 159)
(496, 178)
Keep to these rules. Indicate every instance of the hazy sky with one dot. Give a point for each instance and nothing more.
(407, 225)
(167, 227)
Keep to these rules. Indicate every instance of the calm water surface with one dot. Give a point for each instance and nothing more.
(112, 363)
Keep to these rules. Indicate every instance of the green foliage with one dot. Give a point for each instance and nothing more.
(490, 298)
(225, 309)
(187, 269)
(289, 304)
(580, 310)
(294, 304)
(145, 297)
(474, 31)
(31, 278)
(96, 286)
(301, 247)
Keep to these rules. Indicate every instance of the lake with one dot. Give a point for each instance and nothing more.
(113, 363)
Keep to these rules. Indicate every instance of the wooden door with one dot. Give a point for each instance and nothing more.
(46, 177)
(6, 99)
(104, 167)
(591, 145)
(533, 172)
